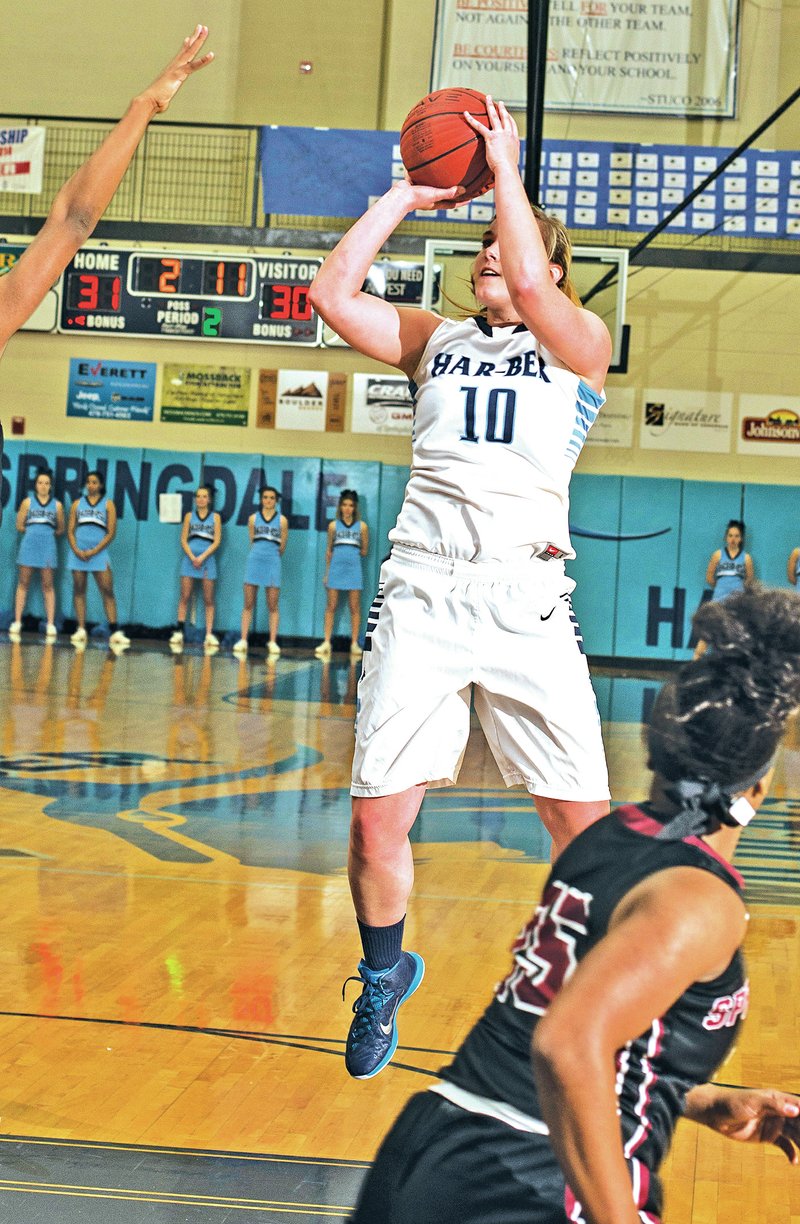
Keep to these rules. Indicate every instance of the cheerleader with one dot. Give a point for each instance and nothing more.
(730, 569)
(201, 536)
(40, 518)
(348, 541)
(269, 532)
(91, 528)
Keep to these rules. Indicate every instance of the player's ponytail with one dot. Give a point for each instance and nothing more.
(716, 725)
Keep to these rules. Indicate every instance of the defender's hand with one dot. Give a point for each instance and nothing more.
(187, 61)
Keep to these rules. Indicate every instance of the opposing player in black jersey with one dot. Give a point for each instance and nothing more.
(83, 199)
(627, 986)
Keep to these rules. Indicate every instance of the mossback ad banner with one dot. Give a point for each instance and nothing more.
(205, 395)
(652, 57)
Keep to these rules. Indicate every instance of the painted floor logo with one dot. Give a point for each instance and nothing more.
(84, 788)
(137, 797)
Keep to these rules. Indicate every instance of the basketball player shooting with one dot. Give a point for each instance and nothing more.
(474, 596)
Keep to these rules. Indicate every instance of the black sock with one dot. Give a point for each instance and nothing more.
(112, 626)
(179, 626)
(383, 946)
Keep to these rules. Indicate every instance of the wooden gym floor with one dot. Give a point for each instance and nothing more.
(176, 929)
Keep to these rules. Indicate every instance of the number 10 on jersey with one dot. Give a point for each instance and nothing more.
(489, 417)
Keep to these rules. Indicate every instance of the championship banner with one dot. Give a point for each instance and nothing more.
(21, 159)
(382, 404)
(205, 395)
(301, 399)
(111, 390)
(651, 57)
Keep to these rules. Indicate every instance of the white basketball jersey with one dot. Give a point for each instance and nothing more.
(498, 426)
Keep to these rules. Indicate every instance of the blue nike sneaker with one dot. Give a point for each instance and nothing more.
(372, 1039)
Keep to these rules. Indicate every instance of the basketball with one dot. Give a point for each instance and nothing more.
(440, 149)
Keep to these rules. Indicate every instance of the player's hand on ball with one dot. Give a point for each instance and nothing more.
(181, 66)
(501, 136)
(421, 198)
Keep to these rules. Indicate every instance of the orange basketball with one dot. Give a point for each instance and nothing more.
(440, 149)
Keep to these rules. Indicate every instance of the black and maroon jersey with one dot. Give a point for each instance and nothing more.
(679, 1050)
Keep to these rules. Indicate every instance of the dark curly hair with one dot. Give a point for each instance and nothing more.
(348, 495)
(721, 717)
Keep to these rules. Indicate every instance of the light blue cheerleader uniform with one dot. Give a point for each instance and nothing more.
(263, 567)
(729, 575)
(91, 525)
(38, 546)
(201, 534)
(346, 572)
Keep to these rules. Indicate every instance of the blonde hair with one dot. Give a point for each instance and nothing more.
(558, 246)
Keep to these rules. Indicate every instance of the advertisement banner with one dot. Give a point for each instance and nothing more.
(646, 58)
(686, 421)
(21, 159)
(301, 399)
(382, 404)
(769, 425)
(205, 395)
(111, 390)
(614, 423)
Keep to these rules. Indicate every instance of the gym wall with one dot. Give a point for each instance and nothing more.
(701, 331)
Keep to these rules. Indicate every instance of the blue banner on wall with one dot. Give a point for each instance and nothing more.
(604, 185)
(111, 390)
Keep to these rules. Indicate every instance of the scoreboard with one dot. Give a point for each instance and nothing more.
(257, 299)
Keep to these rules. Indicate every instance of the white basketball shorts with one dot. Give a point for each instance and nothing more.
(441, 630)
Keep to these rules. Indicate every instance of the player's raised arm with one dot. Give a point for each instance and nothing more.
(579, 338)
(374, 327)
(82, 200)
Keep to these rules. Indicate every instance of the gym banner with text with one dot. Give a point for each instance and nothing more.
(111, 390)
(205, 395)
(604, 185)
(22, 159)
(636, 57)
(301, 399)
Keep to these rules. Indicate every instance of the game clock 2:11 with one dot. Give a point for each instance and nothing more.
(177, 295)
